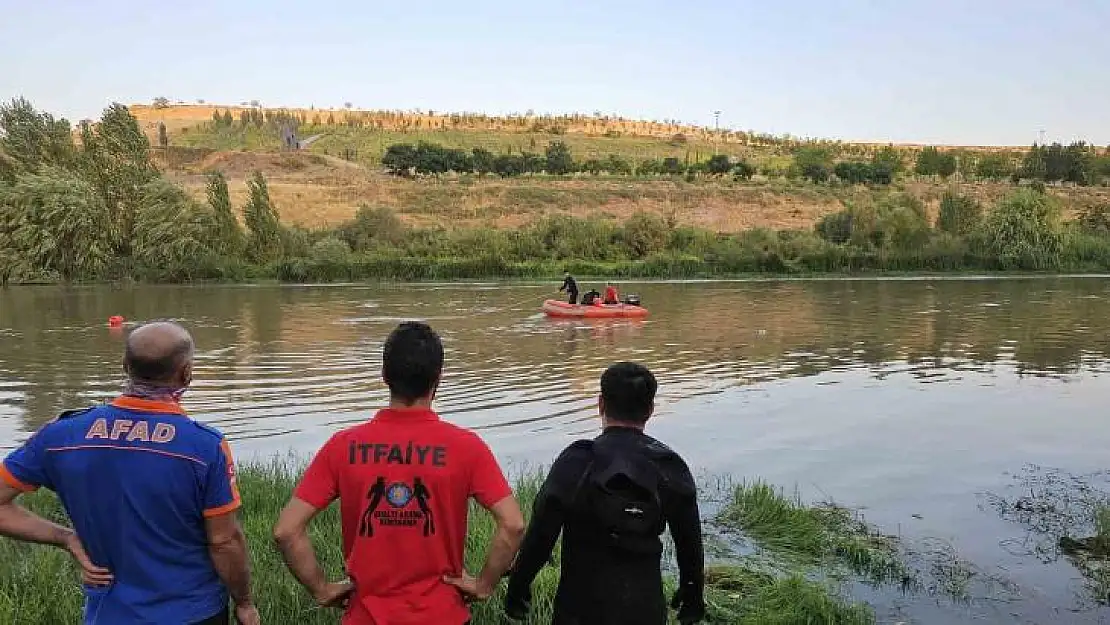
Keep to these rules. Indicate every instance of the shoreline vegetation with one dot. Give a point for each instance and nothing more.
(771, 559)
(91, 205)
(806, 548)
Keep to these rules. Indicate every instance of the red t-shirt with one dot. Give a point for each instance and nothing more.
(404, 480)
(610, 294)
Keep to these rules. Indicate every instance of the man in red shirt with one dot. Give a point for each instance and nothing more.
(611, 296)
(404, 480)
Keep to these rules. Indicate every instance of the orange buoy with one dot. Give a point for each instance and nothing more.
(115, 321)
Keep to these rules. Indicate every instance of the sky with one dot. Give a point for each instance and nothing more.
(970, 72)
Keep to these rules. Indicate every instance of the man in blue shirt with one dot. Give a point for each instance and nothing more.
(151, 494)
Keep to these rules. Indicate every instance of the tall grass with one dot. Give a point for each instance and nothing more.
(38, 585)
(811, 534)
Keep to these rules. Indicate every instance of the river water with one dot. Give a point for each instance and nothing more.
(908, 399)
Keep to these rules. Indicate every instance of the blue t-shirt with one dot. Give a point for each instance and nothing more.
(137, 478)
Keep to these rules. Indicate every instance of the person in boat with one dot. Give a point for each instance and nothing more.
(404, 479)
(611, 498)
(611, 296)
(591, 298)
(148, 490)
(571, 287)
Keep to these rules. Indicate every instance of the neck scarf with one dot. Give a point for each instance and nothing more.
(153, 392)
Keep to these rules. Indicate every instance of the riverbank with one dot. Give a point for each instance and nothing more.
(39, 586)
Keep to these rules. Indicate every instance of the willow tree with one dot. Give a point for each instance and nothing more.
(116, 158)
(264, 242)
(171, 231)
(54, 221)
(229, 235)
(30, 139)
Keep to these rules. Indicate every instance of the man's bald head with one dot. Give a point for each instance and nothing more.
(159, 353)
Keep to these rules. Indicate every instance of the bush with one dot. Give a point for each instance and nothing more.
(743, 170)
(959, 214)
(1023, 232)
(330, 249)
(835, 227)
(645, 234)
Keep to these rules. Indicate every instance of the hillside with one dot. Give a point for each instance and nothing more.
(316, 188)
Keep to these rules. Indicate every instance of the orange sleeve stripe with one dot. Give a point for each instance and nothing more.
(222, 510)
(12, 481)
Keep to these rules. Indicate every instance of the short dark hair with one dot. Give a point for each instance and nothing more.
(628, 389)
(157, 366)
(412, 360)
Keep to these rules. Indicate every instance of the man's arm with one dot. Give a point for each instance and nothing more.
(18, 523)
(492, 491)
(547, 515)
(291, 536)
(506, 541)
(684, 521)
(227, 545)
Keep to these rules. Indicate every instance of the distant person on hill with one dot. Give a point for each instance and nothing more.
(571, 287)
(611, 498)
(611, 296)
(151, 494)
(404, 555)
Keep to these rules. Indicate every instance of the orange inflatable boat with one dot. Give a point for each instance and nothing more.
(559, 308)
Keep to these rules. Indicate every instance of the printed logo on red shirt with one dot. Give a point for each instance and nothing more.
(400, 497)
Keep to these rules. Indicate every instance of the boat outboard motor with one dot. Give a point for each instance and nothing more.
(632, 300)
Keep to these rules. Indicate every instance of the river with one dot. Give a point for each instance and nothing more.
(907, 398)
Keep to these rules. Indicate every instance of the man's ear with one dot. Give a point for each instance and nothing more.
(186, 377)
(601, 405)
(435, 387)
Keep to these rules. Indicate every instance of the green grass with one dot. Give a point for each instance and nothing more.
(814, 535)
(38, 585)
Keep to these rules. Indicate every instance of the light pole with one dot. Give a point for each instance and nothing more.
(716, 130)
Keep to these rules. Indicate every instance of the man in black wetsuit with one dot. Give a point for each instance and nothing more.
(571, 287)
(611, 498)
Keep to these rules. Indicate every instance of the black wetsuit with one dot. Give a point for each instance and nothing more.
(599, 584)
(571, 287)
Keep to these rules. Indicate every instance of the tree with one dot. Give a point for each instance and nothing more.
(163, 136)
(671, 166)
(617, 166)
(116, 159)
(508, 165)
(946, 164)
(1034, 165)
(718, 165)
(483, 161)
(30, 139)
(592, 166)
(161, 102)
(649, 167)
(813, 163)
(959, 214)
(229, 241)
(559, 160)
(994, 167)
(264, 238)
(171, 231)
(928, 162)
(743, 170)
(54, 221)
(853, 172)
(889, 156)
(400, 159)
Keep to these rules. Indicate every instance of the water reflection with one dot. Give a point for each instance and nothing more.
(274, 361)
